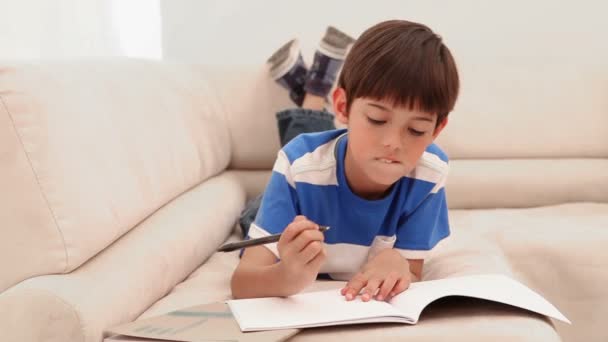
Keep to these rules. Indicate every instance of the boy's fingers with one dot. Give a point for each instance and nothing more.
(316, 262)
(299, 218)
(285, 244)
(294, 228)
(305, 237)
(400, 286)
(370, 289)
(355, 285)
(387, 285)
(311, 251)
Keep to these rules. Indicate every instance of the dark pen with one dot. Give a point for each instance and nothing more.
(229, 247)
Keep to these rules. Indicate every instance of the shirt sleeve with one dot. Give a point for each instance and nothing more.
(279, 204)
(421, 230)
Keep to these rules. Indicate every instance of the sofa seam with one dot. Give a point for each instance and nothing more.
(225, 117)
(44, 196)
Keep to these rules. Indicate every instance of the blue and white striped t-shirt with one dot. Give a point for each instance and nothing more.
(308, 179)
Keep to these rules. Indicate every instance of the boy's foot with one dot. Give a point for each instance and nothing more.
(327, 61)
(284, 59)
(288, 69)
(335, 43)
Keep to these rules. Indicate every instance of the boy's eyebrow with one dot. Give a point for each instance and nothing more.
(424, 118)
(379, 106)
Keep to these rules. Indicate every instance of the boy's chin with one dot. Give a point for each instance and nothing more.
(384, 180)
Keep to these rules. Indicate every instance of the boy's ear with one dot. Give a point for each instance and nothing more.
(440, 128)
(339, 105)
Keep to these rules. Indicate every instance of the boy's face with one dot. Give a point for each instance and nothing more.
(384, 142)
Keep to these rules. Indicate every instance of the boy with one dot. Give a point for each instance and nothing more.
(379, 185)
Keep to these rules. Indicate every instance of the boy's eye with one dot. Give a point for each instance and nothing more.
(415, 132)
(375, 122)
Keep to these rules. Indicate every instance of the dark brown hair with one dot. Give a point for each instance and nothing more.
(405, 63)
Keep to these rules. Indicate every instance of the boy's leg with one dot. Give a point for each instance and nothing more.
(320, 78)
(287, 68)
(295, 121)
(313, 102)
(248, 214)
(307, 89)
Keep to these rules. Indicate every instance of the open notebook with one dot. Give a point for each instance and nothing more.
(326, 308)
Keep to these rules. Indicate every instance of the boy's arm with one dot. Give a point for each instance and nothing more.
(259, 274)
(416, 269)
(299, 252)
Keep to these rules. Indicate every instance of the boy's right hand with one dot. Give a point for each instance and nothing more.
(301, 252)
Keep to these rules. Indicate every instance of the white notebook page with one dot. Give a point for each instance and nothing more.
(306, 309)
(494, 287)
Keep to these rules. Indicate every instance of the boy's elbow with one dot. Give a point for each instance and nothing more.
(234, 285)
(240, 284)
(254, 271)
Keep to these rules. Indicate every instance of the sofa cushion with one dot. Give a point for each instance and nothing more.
(124, 279)
(92, 147)
(534, 245)
(463, 320)
(558, 251)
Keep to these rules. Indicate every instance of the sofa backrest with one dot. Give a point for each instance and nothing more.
(90, 148)
(536, 108)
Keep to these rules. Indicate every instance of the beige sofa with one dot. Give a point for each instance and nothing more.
(120, 177)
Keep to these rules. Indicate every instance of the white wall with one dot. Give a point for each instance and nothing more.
(242, 31)
(33, 29)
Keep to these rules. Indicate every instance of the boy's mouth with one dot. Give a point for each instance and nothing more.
(388, 160)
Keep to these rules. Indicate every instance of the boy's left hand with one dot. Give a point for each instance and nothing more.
(388, 273)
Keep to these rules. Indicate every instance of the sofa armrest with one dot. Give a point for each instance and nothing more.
(127, 277)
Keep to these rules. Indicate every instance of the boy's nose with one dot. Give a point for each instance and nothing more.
(391, 140)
